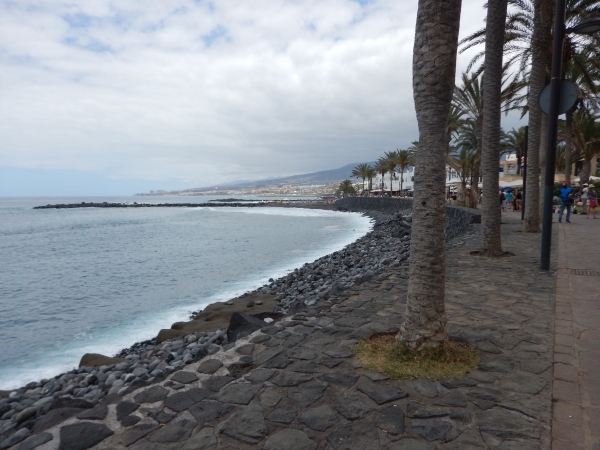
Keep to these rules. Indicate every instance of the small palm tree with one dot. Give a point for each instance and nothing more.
(346, 188)
(361, 171)
(370, 173)
(586, 140)
(404, 159)
(381, 167)
(515, 141)
(391, 159)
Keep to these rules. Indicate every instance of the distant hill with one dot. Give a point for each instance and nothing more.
(333, 176)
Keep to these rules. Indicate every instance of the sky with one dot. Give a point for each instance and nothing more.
(102, 97)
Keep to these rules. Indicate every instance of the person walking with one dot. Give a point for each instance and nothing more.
(584, 196)
(566, 200)
(519, 200)
(509, 200)
(503, 201)
(592, 201)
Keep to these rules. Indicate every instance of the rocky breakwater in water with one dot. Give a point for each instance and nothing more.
(40, 405)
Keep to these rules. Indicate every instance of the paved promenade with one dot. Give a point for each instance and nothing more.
(298, 386)
(576, 392)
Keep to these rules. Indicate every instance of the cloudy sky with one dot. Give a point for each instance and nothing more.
(116, 97)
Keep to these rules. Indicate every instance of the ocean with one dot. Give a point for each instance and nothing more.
(90, 280)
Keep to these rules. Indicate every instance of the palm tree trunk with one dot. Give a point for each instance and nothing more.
(568, 145)
(586, 171)
(491, 242)
(434, 68)
(540, 42)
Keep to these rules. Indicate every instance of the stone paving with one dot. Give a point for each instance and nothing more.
(576, 393)
(297, 385)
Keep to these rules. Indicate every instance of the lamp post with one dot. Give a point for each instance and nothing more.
(589, 26)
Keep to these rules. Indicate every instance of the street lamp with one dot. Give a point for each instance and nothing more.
(588, 26)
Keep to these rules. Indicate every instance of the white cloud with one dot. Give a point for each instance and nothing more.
(207, 91)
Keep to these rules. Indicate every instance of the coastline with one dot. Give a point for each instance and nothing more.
(385, 247)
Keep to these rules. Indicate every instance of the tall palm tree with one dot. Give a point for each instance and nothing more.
(381, 167)
(361, 171)
(463, 162)
(404, 159)
(434, 67)
(491, 238)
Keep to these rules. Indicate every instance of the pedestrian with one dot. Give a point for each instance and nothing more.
(503, 201)
(566, 200)
(509, 200)
(584, 195)
(519, 200)
(592, 201)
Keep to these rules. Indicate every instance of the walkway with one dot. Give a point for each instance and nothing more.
(297, 385)
(576, 391)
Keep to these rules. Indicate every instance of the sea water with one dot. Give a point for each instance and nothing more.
(93, 280)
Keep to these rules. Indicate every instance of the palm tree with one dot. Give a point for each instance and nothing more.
(346, 187)
(381, 167)
(391, 159)
(514, 140)
(491, 238)
(586, 140)
(404, 159)
(370, 173)
(434, 67)
(463, 162)
(361, 171)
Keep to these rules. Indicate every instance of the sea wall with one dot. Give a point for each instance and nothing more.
(458, 220)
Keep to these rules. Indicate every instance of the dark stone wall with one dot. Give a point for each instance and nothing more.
(458, 220)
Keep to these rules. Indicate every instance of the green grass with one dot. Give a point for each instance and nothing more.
(393, 359)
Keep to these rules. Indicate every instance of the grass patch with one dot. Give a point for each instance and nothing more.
(382, 353)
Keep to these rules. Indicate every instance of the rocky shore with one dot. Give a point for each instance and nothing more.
(40, 405)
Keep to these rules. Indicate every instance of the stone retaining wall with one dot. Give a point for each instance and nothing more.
(458, 220)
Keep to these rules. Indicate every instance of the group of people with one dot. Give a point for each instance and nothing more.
(589, 200)
(511, 198)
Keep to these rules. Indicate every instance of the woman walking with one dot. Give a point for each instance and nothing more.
(592, 201)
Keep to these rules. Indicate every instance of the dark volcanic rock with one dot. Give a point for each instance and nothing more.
(341, 378)
(240, 394)
(290, 439)
(98, 412)
(35, 441)
(410, 444)
(216, 383)
(174, 431)
(286, 379)
(209, 366)
(183, 400)
(355, 436)
(137, 432)
(392, 420)
(282, 415)
(246, 425)
(152, 395)
(308, 394)
(241, 325)
(381, 393)
(507, 424)
(83, 435)
(130, 421)
(432, 430)
(351, 405)
(184, 377)
(320, 418)
(260, 375)
(207, 411)
(126, 408)
(54, 417)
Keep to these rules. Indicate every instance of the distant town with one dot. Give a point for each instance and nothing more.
(289, 190)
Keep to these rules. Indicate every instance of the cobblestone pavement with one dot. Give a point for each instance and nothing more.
(297, 385)
(576, 392)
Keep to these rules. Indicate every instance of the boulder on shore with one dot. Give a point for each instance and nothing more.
(97, 360)
(218, 315)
